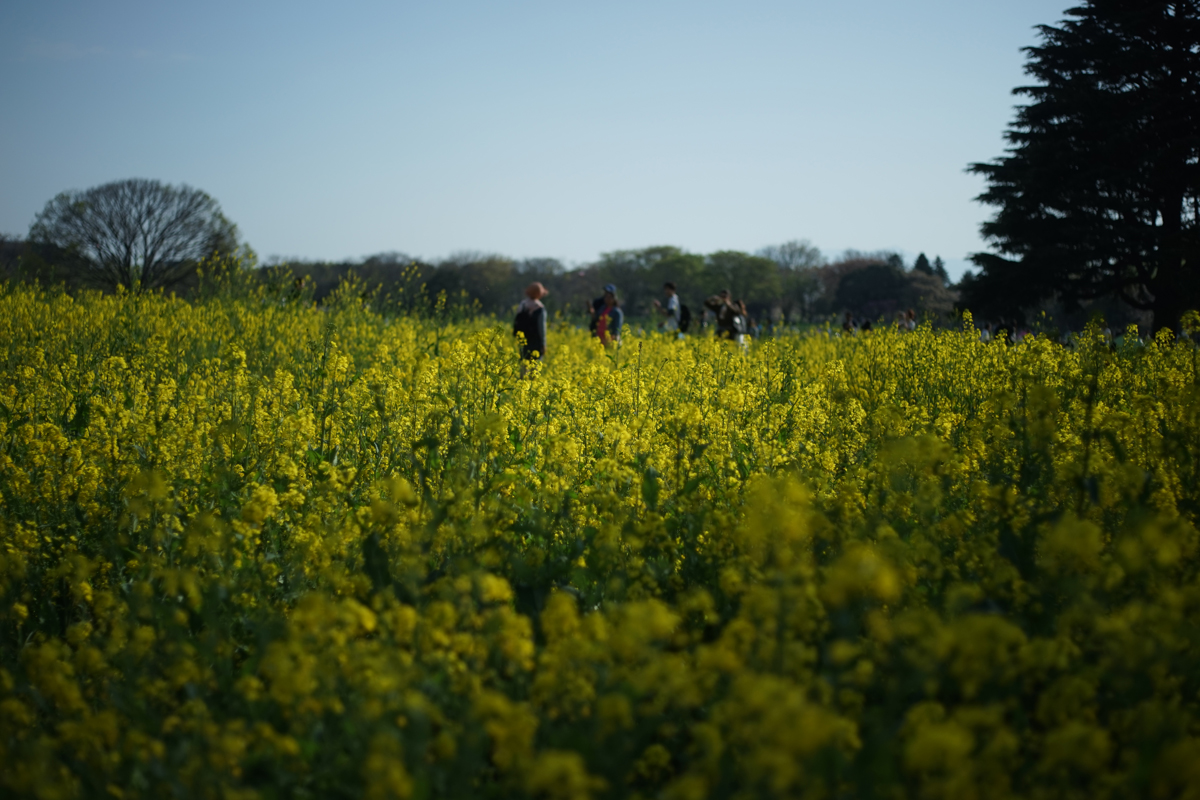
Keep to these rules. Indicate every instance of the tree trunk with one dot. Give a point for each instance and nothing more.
(1168, 308)
(1170, 288)
(1175, 291)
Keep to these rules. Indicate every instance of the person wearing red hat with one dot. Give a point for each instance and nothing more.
(531, 321)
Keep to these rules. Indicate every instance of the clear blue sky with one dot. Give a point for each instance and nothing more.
(566, 129)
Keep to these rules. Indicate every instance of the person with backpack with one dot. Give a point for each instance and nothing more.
(531, 322)
(607, 316)
(678, 316)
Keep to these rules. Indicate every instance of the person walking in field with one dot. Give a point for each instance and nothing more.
(731, 316)
(607, 316)
(723, 313)
(531, 322)
(672, 310)
(742, 323)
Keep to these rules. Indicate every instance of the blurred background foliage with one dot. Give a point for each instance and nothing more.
(791, 283)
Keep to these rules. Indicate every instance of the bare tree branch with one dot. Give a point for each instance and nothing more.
(136, 233)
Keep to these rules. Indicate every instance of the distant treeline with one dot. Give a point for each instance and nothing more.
(787, 283)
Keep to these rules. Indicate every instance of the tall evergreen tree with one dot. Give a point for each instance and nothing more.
(939, 269)
(922, 264)
(1099, 192)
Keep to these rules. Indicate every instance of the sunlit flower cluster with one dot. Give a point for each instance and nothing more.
(252, 548)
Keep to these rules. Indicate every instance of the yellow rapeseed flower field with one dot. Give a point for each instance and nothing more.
(251, 548)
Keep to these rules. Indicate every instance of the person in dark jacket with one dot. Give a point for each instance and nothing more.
(727, 313)
(607, 316)
(531, 321)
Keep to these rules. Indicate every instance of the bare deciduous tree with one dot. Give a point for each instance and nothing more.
(137, 233)
(797, 254)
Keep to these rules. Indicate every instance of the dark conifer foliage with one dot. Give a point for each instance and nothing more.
(1099, 193)
(939, 269)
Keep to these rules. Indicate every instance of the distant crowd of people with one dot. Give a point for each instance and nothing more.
(728, 316)
(606, 318)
